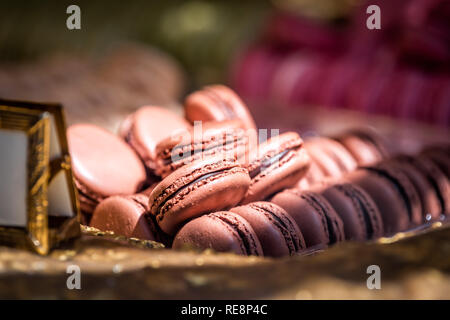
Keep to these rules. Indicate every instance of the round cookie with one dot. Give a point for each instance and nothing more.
(146, 127)
(201, 187)
(359, 213)
(221, 231)
(225, 139)
(217, 103)
(278, 163)
(314, 215)
(276, 230)
(124, 215)
(103, 165)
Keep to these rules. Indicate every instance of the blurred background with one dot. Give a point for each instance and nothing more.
(287, 57)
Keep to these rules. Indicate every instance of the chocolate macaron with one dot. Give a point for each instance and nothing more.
(278, 163)
(226, 139)
(125, 215)
(428, 194)
(217, 103)
(146, 127)
(201, 187)
(393, 193)
(359, 213)
(103, 165)
(366, 146)
(437, 178)
(276, 230)
(314, 215)
(221, 231)
(440, 155)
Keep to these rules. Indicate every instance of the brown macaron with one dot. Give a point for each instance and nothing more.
(201, 187)
(314, 215)
(226, 139)
(217, 103)
(393, 193)
(440, 155)
(276, 230)
(438, 180)
(431, 205)
(125, 215)
(221, 231)
(359, 213)
(278, 163)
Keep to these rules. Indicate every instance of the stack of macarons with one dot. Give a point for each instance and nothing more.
(204, 181)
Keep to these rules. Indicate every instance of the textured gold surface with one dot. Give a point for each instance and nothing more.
(113, 267)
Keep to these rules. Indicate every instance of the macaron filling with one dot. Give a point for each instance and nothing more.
(166, 200)
(199, 179)
(268, 162)
(205, 148)
(248, 244)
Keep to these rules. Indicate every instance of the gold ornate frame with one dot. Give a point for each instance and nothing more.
(40, 233)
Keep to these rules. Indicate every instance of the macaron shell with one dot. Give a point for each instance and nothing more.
(283, 174)
(386, 196)
(441, 159)
(334, 151)
(431, 206)
(351, 204)
(123, 216)
(363, 152)
(150, 125)
(314, 174)
(340, 154)
(208, 105)
(276, 230)
(236, 103)
(327, 164)
(407, 189)
(102, 162)
(438, 179)
(212, 231)
(196, 189)
(311, 222)
(221, 140)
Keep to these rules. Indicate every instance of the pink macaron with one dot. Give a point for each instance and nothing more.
(149, 125)
(103, 165)
(217, 103)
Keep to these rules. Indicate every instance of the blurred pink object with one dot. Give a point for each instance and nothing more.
(402, 70)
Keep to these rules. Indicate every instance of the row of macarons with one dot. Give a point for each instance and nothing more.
(398, 194)
(373, 201)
